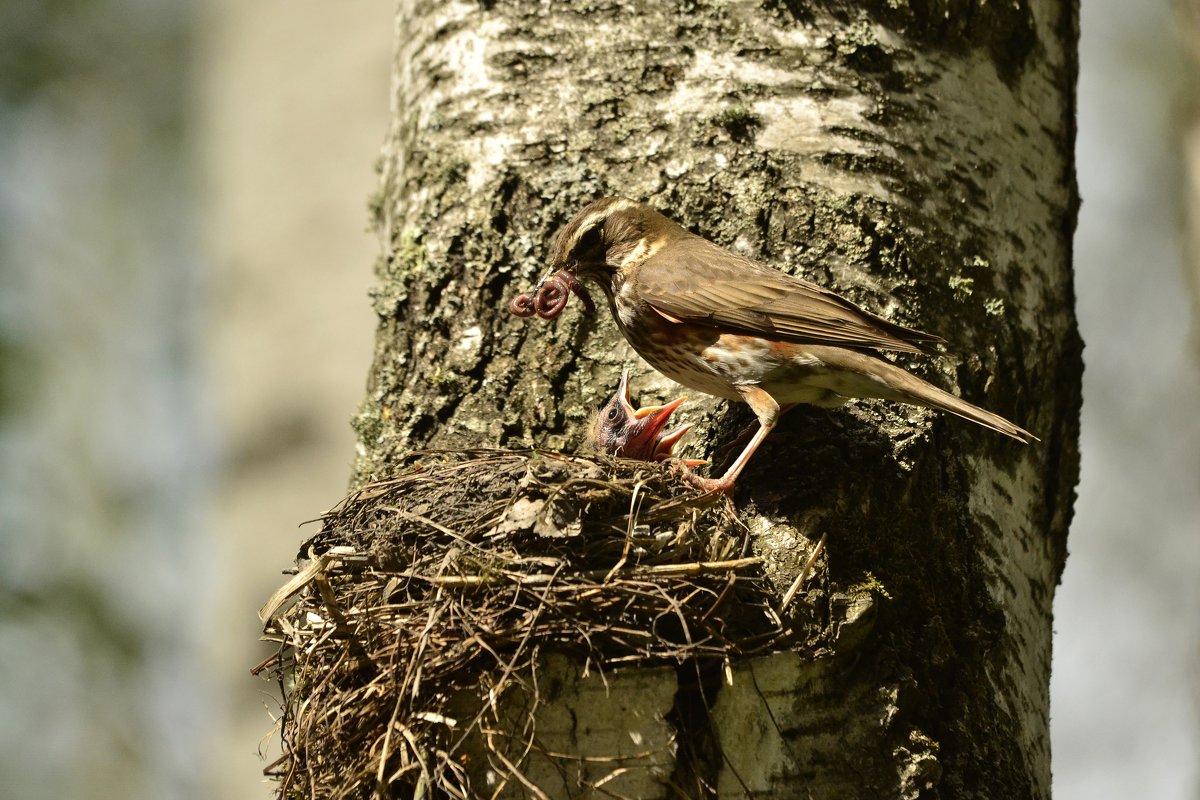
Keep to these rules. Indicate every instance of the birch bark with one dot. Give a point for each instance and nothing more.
(917, 158)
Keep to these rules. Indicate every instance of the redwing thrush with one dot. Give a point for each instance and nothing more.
(727, 326)
(622, 430)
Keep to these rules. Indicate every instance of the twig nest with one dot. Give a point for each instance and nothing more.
(427, 599)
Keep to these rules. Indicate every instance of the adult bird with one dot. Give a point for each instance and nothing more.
(727, 326)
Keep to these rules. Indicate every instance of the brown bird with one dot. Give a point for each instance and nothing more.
(727, 326)
(622, 430)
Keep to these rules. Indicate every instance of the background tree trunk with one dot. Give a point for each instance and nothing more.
(916, 158)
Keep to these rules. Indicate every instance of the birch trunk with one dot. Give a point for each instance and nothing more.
(917, 158)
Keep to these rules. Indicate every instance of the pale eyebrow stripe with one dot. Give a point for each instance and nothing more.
(585, 224)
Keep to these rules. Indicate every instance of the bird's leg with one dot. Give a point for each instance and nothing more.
(767, 410)
(726, 481)
(743, 436)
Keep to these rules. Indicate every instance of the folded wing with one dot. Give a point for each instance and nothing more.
(705, 284)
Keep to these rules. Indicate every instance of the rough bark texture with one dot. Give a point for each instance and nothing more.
(916, 157)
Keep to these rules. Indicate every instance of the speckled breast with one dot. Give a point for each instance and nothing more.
(674, 349)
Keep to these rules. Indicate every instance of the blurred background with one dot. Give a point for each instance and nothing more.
(185, 333)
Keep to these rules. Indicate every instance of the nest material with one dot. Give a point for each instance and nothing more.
(426, 601)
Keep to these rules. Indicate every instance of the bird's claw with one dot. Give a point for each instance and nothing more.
(706, 485)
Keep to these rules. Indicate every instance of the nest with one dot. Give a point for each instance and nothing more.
(427, 601)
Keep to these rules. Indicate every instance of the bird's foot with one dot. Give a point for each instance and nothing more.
(682, 467)
(722, 485)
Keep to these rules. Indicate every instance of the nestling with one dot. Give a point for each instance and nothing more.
(622, 430)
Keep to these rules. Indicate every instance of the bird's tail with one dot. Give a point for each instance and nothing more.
(876, 377)
(929, 395)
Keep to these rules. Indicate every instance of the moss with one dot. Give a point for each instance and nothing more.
(856, 36)
(858, 45)
(368, 422)
(396, 273)
(408, 256)
(739, 122)
(870, 584)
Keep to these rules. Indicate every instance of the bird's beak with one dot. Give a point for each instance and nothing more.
(623, 396)
(646, 438)
(664, 445)
(648, 418)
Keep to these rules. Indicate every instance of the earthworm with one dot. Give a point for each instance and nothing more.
(521, 306)
(551, 297)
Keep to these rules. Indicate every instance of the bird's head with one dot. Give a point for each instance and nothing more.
(607, 238)
(622, 430)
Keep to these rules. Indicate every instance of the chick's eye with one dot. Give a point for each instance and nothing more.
(612, 414)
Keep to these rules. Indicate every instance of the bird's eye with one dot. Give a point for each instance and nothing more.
(612, 413)
(588, 242)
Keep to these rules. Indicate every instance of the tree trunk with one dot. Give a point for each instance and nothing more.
(917, 158)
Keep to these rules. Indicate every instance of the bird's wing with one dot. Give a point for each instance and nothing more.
(696, 281)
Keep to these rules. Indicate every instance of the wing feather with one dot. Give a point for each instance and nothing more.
(699, 282)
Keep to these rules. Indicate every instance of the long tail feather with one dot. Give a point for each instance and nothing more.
(933, 397)
(876, 377)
